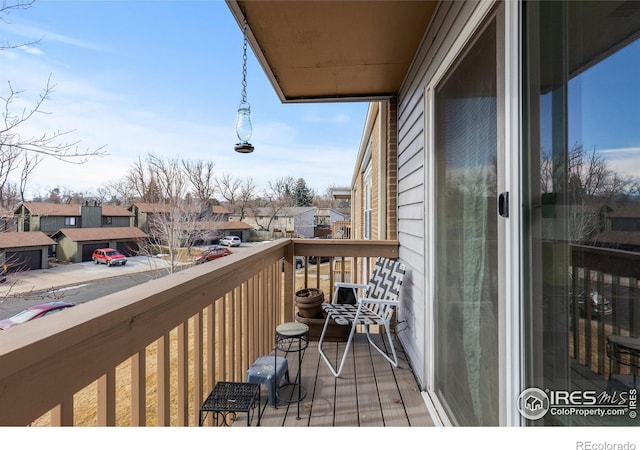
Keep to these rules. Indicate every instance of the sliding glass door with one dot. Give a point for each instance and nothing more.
(466, 109)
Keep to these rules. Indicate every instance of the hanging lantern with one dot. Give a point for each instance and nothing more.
(243, 121)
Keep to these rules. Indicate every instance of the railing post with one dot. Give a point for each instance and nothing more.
(289, 282)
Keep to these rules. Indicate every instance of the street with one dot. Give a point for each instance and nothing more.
(89, 282)
(80, 293)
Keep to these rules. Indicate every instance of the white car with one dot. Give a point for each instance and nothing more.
(230, 241)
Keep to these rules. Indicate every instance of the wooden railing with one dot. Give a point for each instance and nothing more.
(614, 275)
(150, 354)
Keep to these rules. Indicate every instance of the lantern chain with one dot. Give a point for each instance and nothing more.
(244, 64)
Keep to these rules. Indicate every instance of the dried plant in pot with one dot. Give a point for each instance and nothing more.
(309, 301)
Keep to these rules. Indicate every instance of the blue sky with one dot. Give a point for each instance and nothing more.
(164, 77)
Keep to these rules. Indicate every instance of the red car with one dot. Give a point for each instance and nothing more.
(210, 254)
(34, 312)
(109, 256)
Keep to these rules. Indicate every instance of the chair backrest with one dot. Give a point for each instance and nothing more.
(385, 283)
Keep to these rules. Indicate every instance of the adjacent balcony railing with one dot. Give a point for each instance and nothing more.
(150, 354)
(604, 301)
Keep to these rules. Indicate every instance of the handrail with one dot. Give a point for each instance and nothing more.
(230, 309)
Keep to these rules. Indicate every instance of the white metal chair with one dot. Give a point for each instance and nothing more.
(375, 307)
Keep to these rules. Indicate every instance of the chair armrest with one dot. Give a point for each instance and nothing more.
(344, 284)
(377, 301)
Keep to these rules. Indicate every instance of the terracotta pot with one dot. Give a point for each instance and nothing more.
(309, 302)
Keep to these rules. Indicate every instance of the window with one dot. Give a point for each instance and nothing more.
(366, 204)
(70, 221)
(107, 220)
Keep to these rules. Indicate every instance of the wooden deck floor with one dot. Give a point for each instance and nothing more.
(370, 392)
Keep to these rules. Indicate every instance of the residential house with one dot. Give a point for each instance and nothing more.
(622, 229)
(78, 244)
(79, 228)
(291, 220)
(299, 221)
(341, 229)
(324, 220)
(212, 231)
(25, 251)
(143, 213)
(472, 105)
(209, 223)
(51, 217)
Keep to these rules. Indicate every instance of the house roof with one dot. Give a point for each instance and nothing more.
(165, 208)
(290, 211)
(618, 237)
(12, 239)
(58, 209)
(341, 193)
(232, 225)
(97, 234)
(151, 207)
(222, 225)
(631, 211)
(330, 50)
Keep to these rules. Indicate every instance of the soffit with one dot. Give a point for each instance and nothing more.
(328, 50)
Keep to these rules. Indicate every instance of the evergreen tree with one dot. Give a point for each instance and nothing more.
(303, 195)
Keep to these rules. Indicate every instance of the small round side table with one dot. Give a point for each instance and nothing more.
(292, 337)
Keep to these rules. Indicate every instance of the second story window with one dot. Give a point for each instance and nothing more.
(70, 221)
(107, 220)
(367, 204)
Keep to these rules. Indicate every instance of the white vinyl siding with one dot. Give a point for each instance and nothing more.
(448, 21)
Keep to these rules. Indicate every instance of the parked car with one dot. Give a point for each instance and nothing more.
(230, 241)
(34, 312)
(210, 254)
(323, 259)
(109, 256)
(299, 262)
(599, 304)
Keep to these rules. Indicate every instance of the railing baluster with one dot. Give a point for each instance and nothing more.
(107, 399)
(62, 415)
(138, 388)
(163, 367)
(211, 354)
(183, 371)
(198, 354)
(602, 340)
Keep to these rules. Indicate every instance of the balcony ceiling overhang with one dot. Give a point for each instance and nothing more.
(334, 50)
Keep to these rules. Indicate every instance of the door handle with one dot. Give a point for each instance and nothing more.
(503, 204)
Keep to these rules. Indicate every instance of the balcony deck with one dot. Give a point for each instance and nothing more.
(148, 356)
(369, 393)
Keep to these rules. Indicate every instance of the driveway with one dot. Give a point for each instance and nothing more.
(69, 274)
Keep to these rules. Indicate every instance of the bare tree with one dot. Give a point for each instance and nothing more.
(116, 192)
(21, 149)
(6, 7)
(229, 188)
(181, 219)
(201, 176)
(247, 191)
(238, 193)
(587, 182)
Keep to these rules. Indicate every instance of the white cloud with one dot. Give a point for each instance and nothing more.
(103, 113)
